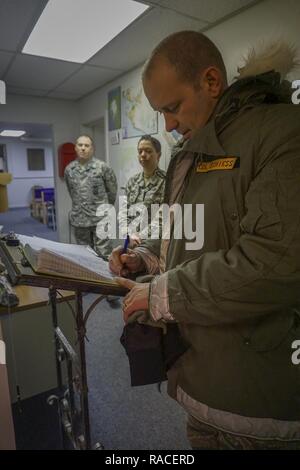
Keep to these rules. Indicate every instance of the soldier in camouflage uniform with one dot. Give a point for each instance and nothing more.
(146, 187)
(90, 182)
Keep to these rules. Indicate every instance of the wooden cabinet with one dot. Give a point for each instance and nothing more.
(7, 435)
(28, 335)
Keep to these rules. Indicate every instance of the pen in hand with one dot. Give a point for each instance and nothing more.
(126, 243)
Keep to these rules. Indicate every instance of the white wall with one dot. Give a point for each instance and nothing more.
(62, 115)
(99, 139)
(19, 190)
(121, 157)
(96, 130)
(265, 22)
(268, 20)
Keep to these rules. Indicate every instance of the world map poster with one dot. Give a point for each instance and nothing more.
(138, 117)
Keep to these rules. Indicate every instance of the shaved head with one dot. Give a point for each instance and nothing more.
(189, 52)
(183, 80)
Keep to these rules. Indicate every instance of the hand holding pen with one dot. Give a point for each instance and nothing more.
(126, 244)
(123, 261)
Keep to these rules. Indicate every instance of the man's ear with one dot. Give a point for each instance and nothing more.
(212, 82)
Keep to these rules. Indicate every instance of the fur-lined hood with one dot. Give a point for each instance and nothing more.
(278, 56)
(261, 80)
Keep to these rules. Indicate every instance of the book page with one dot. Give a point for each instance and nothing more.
(38, 243)
(82, 255)
(87, 260)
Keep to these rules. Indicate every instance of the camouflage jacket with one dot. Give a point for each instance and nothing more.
(89, 185)
(148, 192)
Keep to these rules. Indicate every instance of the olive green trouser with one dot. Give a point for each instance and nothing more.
(202, 436)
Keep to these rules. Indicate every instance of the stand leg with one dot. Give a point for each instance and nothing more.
(52, 298)
(84, 388)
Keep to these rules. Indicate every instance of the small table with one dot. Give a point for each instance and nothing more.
(20, 273)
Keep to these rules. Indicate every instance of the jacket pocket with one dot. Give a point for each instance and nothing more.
(262, 217)
(230, 209)
(271, 331)
(132, 196)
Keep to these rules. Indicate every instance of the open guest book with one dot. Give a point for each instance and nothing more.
(66, 260)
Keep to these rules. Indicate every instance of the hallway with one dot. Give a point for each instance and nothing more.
(20, 221)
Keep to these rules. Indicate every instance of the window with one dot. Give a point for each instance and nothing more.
(36, 159)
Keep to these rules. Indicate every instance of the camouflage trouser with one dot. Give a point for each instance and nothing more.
(87, 236)
(203, 436)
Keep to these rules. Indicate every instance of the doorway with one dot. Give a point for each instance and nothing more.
(29, 159)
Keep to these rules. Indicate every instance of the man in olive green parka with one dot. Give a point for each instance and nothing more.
(235, 299)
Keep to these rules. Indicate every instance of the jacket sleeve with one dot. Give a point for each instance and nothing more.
(149, 251)
(260, 273)
(111, 184)
(152, 245)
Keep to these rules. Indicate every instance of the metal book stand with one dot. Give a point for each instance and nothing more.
(74, 417)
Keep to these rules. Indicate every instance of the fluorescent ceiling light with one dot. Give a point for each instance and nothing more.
(74, 30)
(36, 139)
(11, 133)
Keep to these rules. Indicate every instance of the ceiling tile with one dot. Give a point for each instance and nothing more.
(87, 79)
(5, 58)
(63, 95)
(38, 72)
(36, 76)
(17, 18)
(25, 91)
(132, 46)
(206, 10)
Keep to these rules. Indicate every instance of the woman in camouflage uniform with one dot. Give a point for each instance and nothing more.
(146, 187)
